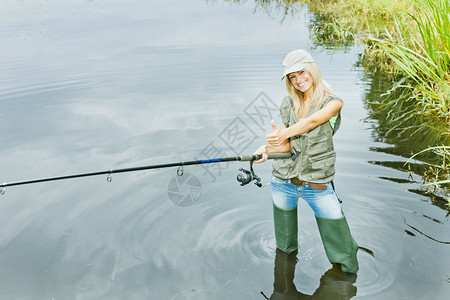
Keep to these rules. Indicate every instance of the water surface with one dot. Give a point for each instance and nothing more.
(98, 85)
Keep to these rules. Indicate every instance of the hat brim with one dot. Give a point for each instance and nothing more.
(294, 68)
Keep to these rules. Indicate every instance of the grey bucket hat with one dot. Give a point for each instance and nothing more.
(295, 61)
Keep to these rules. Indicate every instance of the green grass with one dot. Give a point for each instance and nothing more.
(361, 17)
(424, 58)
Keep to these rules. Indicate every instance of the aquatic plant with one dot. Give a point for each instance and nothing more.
(437, 176)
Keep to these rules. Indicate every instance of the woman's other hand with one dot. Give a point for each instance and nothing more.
(277, 137)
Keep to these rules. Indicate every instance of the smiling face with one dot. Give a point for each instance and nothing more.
(301, 80)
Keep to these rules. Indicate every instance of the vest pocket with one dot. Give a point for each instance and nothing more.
(322, 165)
(282, 166)
(319, 145)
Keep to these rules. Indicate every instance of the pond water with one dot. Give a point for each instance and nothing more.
(97, 85)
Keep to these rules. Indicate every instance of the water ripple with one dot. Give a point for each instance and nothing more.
(258, 242)
(251, 234)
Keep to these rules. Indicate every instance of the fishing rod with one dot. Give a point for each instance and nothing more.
(245, 177)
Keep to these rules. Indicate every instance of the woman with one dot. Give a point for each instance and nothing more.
(311, 116)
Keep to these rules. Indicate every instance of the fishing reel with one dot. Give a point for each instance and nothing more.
(245, 177)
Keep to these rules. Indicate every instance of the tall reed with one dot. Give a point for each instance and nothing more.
(424, 58)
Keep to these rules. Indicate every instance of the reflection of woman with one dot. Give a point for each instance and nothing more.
(310, 115)
(334, 284)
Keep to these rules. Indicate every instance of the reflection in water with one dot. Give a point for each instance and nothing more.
(322, 31)
(325, 34)
(422, 233)
(334, 284)
(276, 7)
(394, 122)
(391, 114)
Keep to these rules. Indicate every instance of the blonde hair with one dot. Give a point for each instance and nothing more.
(321, 89)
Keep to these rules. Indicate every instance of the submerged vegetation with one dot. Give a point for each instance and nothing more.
(433, 178)
(437, 176)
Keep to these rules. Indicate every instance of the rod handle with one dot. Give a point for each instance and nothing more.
(270, 155)
(279, 155)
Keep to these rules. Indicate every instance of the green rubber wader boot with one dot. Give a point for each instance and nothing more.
(338, 242)
(286, 228)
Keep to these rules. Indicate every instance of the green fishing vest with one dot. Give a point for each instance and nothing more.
(313, 155)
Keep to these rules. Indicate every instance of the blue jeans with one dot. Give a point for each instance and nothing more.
(324, 203)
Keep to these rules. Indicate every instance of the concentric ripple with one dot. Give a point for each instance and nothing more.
(251, 234)
(258, 242)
